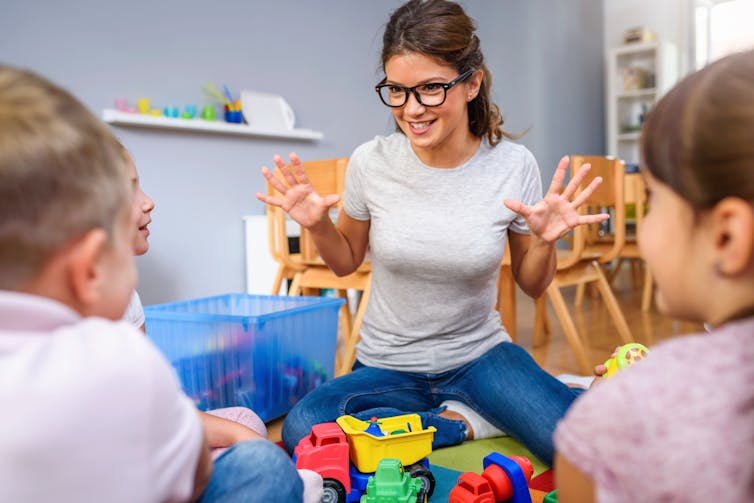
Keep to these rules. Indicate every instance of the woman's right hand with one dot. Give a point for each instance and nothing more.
(297, 195)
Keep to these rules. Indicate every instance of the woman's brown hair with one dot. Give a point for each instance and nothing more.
(441, 30)
(699, 138)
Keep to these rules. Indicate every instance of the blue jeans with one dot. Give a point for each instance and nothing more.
(253, 471)
(505, 386)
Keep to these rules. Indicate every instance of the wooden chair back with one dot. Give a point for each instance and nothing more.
(327, 177)
(602, 242)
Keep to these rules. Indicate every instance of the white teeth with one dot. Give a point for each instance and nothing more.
(420, 125)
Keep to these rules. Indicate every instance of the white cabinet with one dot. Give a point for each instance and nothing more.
(637, 76)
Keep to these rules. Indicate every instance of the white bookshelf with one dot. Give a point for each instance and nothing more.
(119, 118)
(626, 104)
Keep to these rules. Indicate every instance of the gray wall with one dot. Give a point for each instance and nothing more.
(545, 56)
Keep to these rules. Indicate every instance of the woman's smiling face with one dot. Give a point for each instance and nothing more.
(432, 130)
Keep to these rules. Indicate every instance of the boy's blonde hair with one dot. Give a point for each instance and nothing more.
(61, 174)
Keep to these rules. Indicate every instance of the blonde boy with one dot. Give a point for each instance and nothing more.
(90, 409)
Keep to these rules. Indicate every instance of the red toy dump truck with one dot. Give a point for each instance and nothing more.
(346, 453)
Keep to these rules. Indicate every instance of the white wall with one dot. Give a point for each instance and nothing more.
(323, 57)
(671, 20)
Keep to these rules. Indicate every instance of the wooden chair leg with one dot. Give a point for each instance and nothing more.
(278, 281)
(349, 346)
(579, 298)
(295, 288)
(614, 271)
(646, 296)
(569, 329)
(541, 322)
(612, 305)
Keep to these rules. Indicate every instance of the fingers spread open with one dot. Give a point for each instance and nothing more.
(276, 184)
(559, 176)
(586, 193)
(284, 170)
(575, 182)
(518, 207)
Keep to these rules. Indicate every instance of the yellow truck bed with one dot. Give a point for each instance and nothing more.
(404, 439)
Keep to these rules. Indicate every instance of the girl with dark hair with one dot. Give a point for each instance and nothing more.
(680, 426)
(428, 202)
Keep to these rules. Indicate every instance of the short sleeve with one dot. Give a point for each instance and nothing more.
(354, 197)
(175, 436)
(531, 193)
(134, 314)
(162, 423)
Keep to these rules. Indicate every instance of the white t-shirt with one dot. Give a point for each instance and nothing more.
(134, 312)
(91, 412)
(436, 240)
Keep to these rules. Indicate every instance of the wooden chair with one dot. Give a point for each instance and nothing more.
(636, 195)
(307, 271)
(581, 265)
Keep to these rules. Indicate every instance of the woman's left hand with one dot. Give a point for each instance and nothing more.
(556, 214)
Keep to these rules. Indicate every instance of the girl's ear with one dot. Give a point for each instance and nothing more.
(733, 226)
(84, 267)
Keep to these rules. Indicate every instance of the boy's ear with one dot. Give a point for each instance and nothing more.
(84, 266)
(733, 221)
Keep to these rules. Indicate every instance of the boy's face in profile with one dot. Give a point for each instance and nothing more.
(143, 206)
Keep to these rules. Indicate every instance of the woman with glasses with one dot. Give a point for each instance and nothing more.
(428, 202)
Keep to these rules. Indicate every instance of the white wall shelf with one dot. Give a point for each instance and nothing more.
(637, 76)
(119, 118)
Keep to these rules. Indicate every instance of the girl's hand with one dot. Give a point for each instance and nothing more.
(556, 215)
(298, 198)
(601, 369)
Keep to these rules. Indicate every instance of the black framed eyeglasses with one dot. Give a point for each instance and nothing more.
(431, 94)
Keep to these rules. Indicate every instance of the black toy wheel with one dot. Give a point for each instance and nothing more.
(334, 492)
(421, 472)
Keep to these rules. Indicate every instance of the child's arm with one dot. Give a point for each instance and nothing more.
(572, 484)
(203, 469)
(221, 432)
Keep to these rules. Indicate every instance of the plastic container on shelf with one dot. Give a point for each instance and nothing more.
(263, 352)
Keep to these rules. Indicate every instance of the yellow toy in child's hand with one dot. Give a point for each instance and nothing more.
(626, 355)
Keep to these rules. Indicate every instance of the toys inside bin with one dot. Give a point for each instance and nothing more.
(260, 352)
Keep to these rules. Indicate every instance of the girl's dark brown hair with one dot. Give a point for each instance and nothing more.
(441, 30)
(699, 138)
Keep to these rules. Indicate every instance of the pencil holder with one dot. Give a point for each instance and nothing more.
(234, 116)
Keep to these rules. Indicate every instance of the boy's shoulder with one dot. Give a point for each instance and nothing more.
(96, 396)
(92, 359)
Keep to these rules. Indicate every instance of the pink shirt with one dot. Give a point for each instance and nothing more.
(89, 410)
(679, 426)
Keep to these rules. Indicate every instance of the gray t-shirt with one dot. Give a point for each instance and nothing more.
(436, 242)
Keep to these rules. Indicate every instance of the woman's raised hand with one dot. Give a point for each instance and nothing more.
(297, 196)
(556, 214)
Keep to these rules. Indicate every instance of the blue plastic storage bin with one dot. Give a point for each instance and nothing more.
(257, 351)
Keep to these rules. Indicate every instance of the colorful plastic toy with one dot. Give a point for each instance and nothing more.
(626, 355)
(345, 454)
(503, 479)
(391, 484)
(551, 497)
